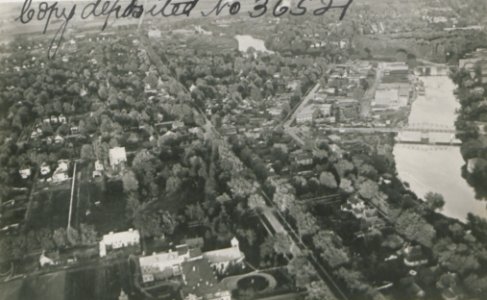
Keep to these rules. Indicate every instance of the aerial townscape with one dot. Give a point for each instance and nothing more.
(229, 157)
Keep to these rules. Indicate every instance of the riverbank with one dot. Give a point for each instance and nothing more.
(431, 168)
(471, 93)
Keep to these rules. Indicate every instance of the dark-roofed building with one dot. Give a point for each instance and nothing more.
(201, 283)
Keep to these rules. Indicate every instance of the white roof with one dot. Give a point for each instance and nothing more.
(223, 255)
(117, 155)
(124, 236)
(161, 260)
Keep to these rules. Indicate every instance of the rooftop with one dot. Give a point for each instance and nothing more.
(223, 255)
(199, 278)
(121, 236)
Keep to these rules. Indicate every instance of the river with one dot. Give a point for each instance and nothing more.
(437, 168)
(247, 41)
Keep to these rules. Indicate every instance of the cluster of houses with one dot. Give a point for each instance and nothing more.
(339, 100)
(60, 174)
(413, 256)
(52, 133)
(444, 16)
(256, 122)
(369, 215)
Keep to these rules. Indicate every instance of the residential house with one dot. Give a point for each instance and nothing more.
(25, 173)
(36, 133)
(99, 166)
(44, 260)
(123, 296)
(177, 124)
(58, 139)
(337, 150)
(160, 266)
(45, 169)
(61, 172)
(117, 156)
(62, 119)
(302, 158)
(356, 207)
(414, 256)
(118, 240)
(97, 174)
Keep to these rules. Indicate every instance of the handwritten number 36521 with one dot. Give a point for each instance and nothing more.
(261, 6)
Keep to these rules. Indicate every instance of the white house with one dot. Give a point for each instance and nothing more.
(63, 165)
(59, 177)
(45, 169)
(98, 166)
(45, 261)
(119, 240)
(221, 259)
(25, 173)
(62, 119)
(168, 263)
(58, 139)
(117, 156)
(60, 174)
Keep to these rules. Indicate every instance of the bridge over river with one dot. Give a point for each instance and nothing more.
(414, 133)
(414, 127)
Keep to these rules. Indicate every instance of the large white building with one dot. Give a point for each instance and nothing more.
(117, 156)
(221, 259)
(119, 240)
(165, 264)
(169, 264)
